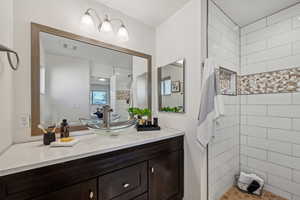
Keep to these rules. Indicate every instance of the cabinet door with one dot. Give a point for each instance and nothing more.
(83, 191)
(164, 176)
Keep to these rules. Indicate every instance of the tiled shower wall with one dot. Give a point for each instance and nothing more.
(270, 123)
(224, 150)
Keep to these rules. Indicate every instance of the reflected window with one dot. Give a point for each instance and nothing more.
(166, 87)
(99, 97)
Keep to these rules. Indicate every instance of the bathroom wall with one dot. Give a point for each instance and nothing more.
(72, 100)
(6, 76)
(223, 47)
(180, 37)
(64, 15)
(270, 141)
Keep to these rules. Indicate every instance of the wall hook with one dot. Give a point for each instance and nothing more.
(9, 52)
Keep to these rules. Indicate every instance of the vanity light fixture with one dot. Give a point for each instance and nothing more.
(105, 25)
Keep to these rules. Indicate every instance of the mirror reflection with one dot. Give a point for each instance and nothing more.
(171, 87)
(77, 80)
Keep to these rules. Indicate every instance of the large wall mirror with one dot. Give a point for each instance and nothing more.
(171, 87)
(73, 77)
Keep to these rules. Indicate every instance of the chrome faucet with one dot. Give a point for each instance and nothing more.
(106, 110)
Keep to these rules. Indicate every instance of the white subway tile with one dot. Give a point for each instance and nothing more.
(270, 99)
(224, 157)
(296, 48)
(296, 176)
(296, 124)
(271, 122)
(284, 135)
(286, 185)
(243, 120)
(244, 160)
(254, 110)
(284, 14)
(284, 38)
(224, 134)
(280, 147)
(255, 47)
(254, 26)
(284, 111)
(254, 131)
(256, 153)
(231, 110)
(254, 68)
(284, 160)
(296, 150)
(272, 30)
(269, 54)
(278, 192)
(230, 100)
(270, 168)
(243, 140)
(296, 22)
(283, 63)
(296, 97)
(244, 99)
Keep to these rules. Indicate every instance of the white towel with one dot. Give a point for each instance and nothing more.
(246, 179)
(211, 104)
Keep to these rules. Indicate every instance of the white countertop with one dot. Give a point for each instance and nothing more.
(32, 155)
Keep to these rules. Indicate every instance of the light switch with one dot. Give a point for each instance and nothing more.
(24, 121)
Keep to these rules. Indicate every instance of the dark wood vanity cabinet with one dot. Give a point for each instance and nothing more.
(152, 171)
(83, 191)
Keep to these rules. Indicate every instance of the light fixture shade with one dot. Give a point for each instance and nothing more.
(106, 26)
(123, 34)
(87, 19)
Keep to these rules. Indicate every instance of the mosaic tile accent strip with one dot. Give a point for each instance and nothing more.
(283, 81)
(123, 94)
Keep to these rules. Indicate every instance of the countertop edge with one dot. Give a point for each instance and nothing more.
(6, 172)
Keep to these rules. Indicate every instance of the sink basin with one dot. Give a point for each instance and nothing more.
(97, 125)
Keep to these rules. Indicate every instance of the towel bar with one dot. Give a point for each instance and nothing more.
(9, 52)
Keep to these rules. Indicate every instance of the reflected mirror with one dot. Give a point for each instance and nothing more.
(78, 79)
(171, 94)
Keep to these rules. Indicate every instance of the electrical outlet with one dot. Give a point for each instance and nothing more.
(24, 121)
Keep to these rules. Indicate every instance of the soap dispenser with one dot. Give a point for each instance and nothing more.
(64, 129)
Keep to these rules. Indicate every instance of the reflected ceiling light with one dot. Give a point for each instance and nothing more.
(180, 62)
(298, 18)
(105, 25)
(102, 79)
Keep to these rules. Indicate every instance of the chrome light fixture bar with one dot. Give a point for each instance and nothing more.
(105, 25)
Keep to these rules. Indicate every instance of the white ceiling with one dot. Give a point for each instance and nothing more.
(150, 12)
(244, 12)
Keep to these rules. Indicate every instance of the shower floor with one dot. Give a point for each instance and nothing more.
(234, 194)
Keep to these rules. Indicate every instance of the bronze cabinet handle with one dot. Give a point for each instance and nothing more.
(91, 195)
(152, 170)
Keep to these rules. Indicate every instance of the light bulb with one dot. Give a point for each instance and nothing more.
(106, 26)
(123, 34)
(87, 19)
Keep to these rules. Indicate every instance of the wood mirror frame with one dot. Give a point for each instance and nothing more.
(36, 29)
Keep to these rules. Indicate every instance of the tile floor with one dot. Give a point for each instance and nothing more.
(234, 194)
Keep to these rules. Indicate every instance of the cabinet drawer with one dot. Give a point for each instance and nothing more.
(124, 184)
(142, 197)
(82, 191)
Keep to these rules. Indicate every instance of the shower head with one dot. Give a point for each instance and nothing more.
(9, 52)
